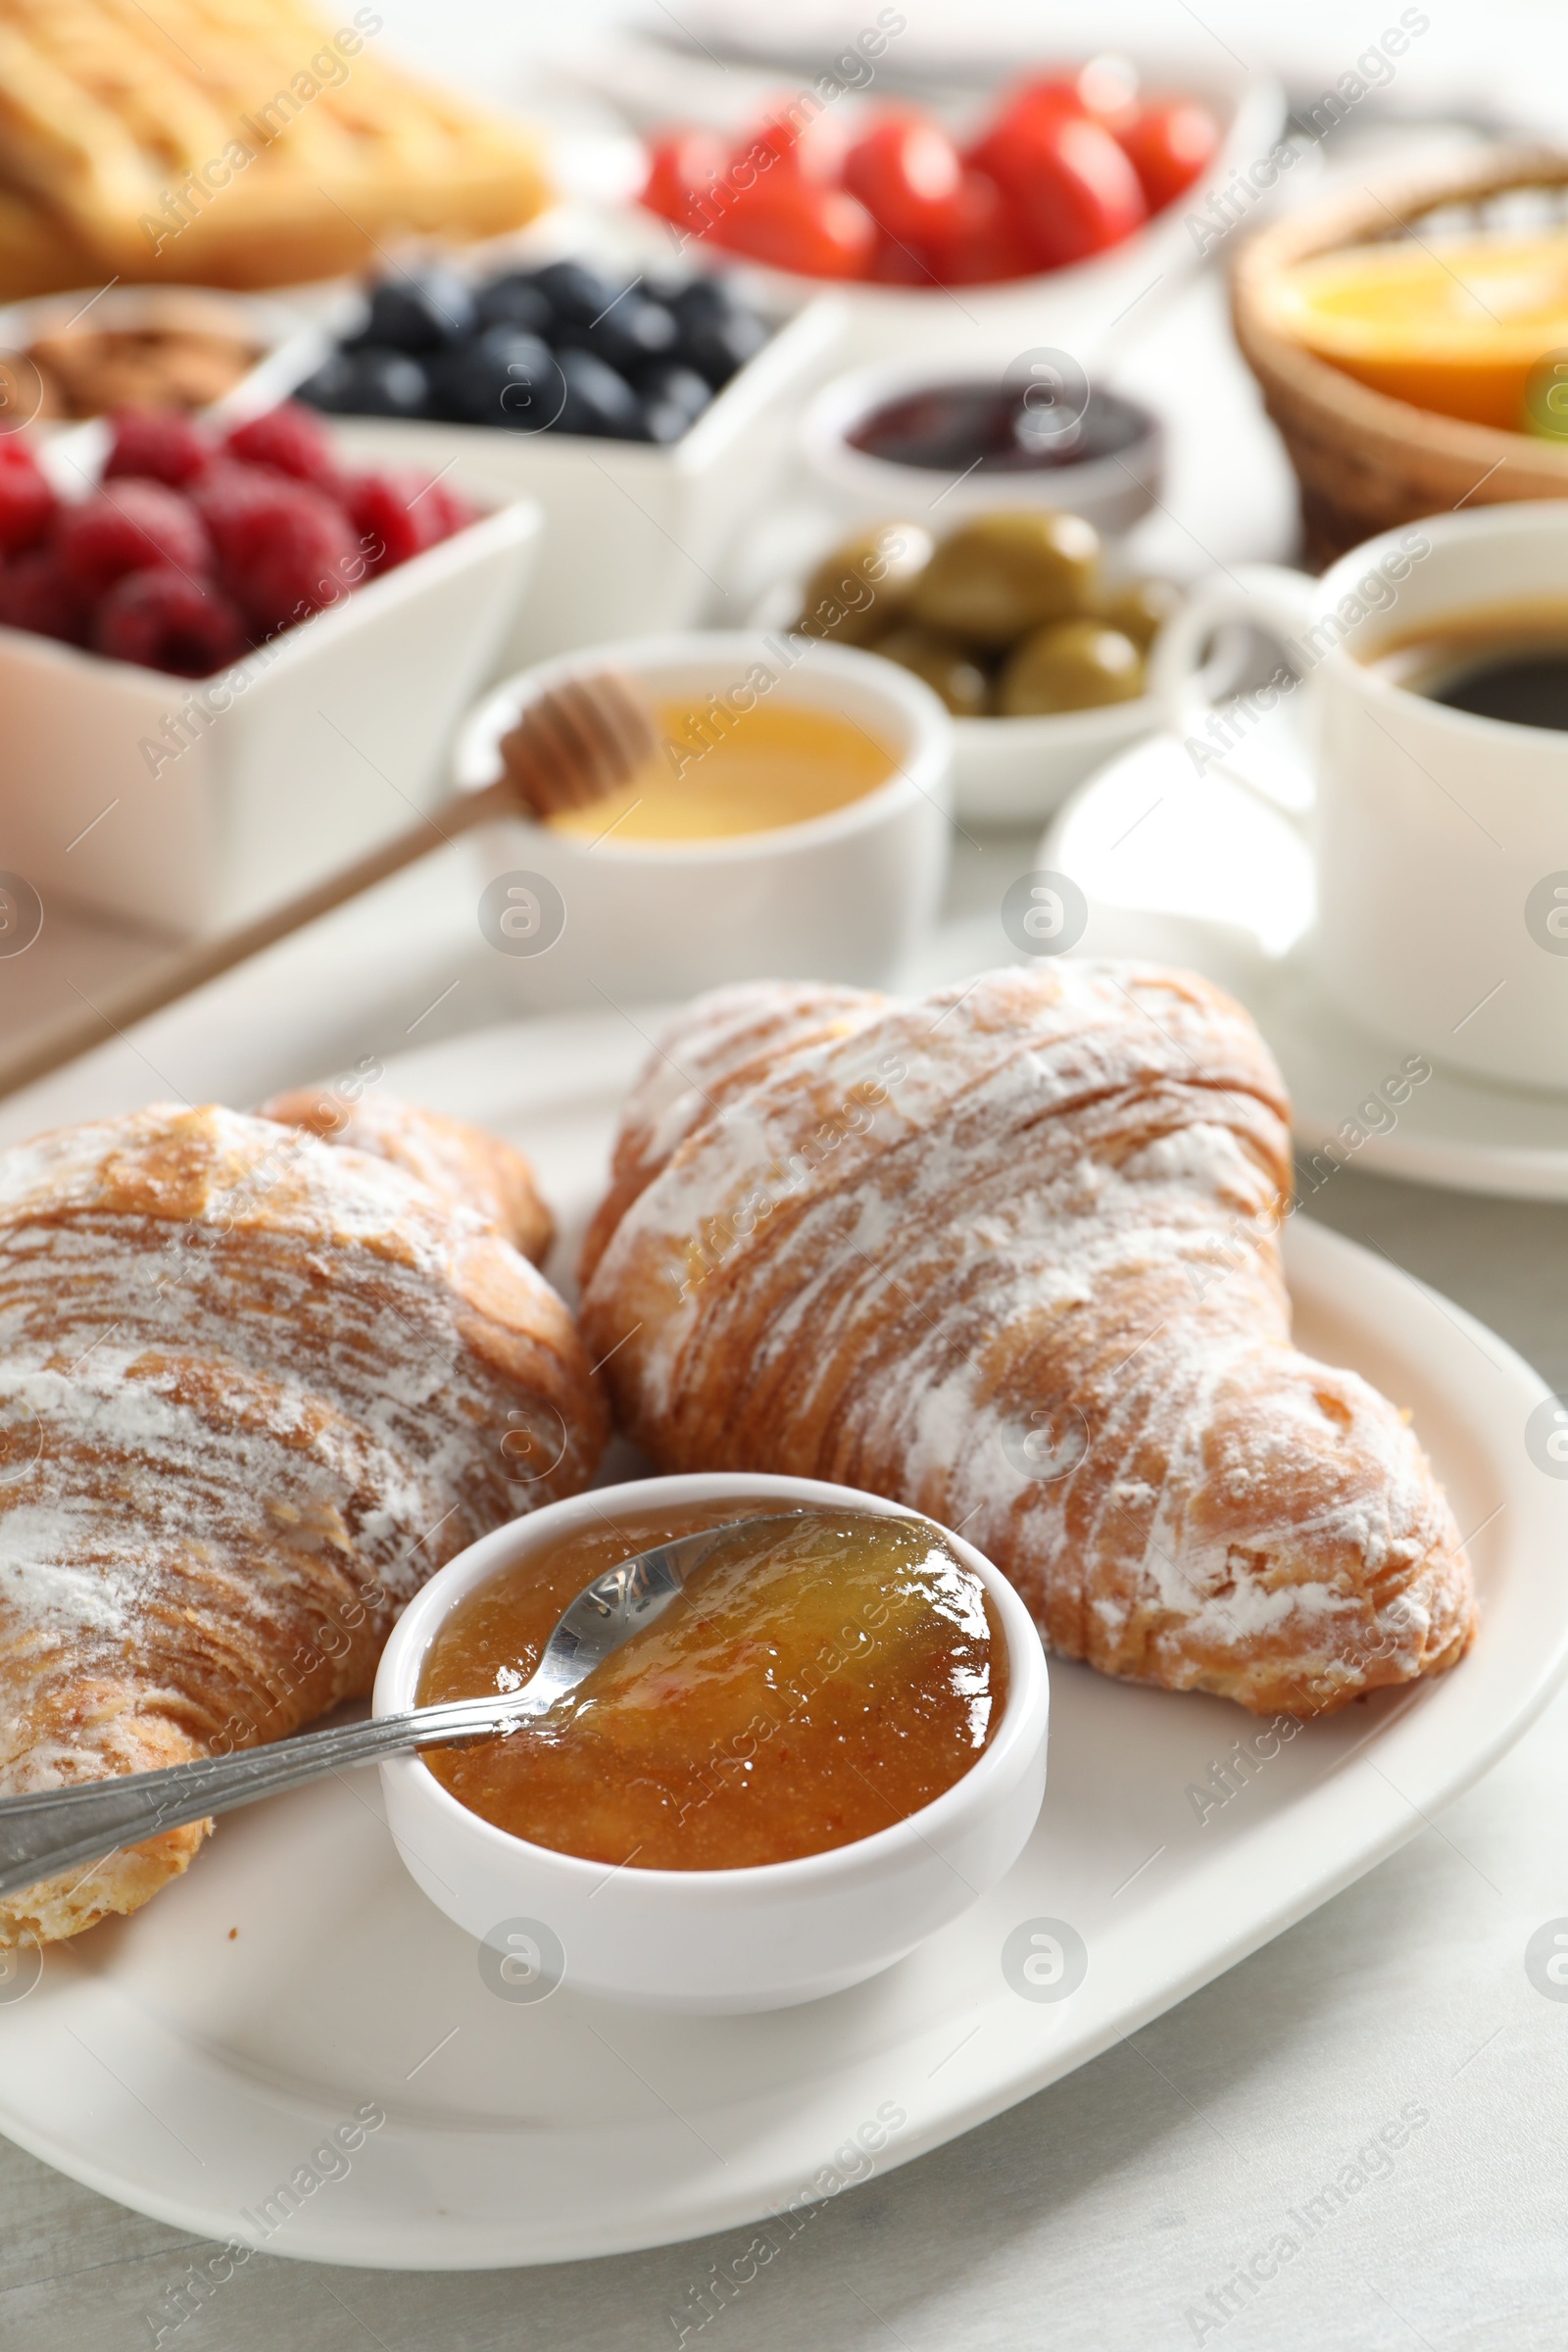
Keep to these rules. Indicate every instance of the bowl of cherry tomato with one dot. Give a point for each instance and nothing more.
(1076, 182)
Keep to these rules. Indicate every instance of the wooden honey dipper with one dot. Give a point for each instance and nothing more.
(576, 743)
(572, 744)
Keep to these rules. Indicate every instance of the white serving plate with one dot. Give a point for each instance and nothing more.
(189, 2074)
(1200, 871)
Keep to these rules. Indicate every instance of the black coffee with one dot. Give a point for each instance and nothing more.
(1507, 662)
(1530, 688)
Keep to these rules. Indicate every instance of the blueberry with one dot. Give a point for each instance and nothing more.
(651, 330)
(575, 293)
(598, 399)
(704, 302)
(535, 392)
(503, 377)
(667, 383)
(716, 351)
(419, 311)
(516, 300)
(664, 290)
(629, 332)
(369, 381)
(663, 420)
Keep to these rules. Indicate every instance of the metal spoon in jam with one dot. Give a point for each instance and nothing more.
(53, 1828)
(824, 1568)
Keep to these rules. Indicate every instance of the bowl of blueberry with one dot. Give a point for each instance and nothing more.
(562, 348)
(648, 413)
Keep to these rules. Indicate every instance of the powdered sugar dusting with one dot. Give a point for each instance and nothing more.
(899, 1237)
(254, 1392)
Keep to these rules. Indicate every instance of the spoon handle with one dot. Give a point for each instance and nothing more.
(53, 1828)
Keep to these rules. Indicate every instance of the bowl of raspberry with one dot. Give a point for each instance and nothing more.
(229, 661)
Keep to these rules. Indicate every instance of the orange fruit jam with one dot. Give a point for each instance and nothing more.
(812, 1683)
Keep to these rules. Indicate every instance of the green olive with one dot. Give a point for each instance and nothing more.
(1071, 665)
(1140, 609)
(999, 575)
(863, 588)
(946, 663)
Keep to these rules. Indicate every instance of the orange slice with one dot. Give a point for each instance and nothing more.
(1457, 327)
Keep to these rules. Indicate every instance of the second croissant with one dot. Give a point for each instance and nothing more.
(1010, 1253)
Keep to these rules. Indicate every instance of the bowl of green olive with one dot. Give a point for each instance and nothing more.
(1035, 641)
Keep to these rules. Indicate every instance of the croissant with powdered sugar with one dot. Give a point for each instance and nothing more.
(254, 1389)
(464, 1162)
(1009, 1254)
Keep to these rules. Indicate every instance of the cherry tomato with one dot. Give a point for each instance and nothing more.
(794, 225)
(983, 238)
(1106, 88)
(1005, 146)
(898, 262)
(1075, 190)
(682, 168)
(1170, 142)
(813, 150)
(906, 172)
(1056, 93)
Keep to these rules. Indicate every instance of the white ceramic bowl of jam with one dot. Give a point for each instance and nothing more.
(936, 439)
(794, 824)
(823, 1751)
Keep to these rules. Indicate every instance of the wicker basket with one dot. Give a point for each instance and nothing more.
(1366, 462)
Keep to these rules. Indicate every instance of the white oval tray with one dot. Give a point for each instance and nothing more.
(193, 2061)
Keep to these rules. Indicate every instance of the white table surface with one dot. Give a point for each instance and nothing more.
(1106, 2212)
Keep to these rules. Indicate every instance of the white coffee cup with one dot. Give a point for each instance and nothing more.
(1441, 839)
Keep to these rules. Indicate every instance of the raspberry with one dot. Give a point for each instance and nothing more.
(124, 528)
(35, 595)
(300, 561)
(161, 445)
(284, 549)
(165, 621)
(291, 440)
(26, 502)
(455, 511)
(401, 514)
(240, 504)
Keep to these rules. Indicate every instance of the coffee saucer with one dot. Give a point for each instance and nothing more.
(1198, 870)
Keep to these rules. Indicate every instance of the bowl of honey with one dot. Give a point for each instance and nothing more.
(793, 822)
(826, 1747)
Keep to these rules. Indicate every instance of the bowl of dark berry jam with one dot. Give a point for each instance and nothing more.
(911, 435)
